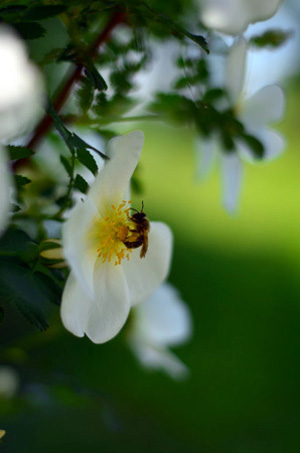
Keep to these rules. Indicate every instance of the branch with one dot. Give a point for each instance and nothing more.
(47, 121)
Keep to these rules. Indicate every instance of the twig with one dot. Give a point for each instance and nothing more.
(46, 123)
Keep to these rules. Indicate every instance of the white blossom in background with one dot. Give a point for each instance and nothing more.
(160, 322)
(21, 99)
(233, 16)
(257, 113)
(106, 277)
(21, 93)
(9, 382)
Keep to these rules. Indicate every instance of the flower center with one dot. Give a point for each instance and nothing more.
(113, 231)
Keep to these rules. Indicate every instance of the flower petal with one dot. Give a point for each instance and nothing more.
(234, 16)
(162, 359)
(112, 182)
(273, 142)
(205, 157)
(226, 16)
(261, 10)
(235, 69)
(163, 319)
(21, 95)
(74, 307)
(79, 254)
(100, 318)
(110, 307)
(144, 275)
(264, 107)
(232, 178)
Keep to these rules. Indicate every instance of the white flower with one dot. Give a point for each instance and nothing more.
(107, 277)
(20, 101)
(234, 16)
(21, 93)
(161, 321)
(256, 113)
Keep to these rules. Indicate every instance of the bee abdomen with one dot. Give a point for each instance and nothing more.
(133, 244)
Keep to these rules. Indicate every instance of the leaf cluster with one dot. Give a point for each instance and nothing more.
(26, 18)
(24, 281)
(195, 102)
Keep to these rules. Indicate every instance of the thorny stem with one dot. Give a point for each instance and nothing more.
(46, 123)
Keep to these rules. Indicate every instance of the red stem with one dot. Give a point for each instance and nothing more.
(46, 123)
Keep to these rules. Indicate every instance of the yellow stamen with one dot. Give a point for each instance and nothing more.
(112, 231)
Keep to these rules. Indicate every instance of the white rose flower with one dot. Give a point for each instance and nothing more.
(234, 16)
(256, 112)
(21, 94)
(21, 97)
(160, 322)
(106, 276)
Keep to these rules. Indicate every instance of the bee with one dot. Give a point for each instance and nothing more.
(138, 234)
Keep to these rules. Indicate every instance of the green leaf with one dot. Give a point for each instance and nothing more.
(19, 152)
(255, 145)
(271, 38)
(67, 165)
(44, 11)
(17, 243)
(81, 184)
(85, 157)
(50, 286)
(20, 286)
(51, 56)
(213, 95)
(63, 131)
(73, 141)
(198, 39)
(97, 79)
(183, 82)
(13, 9)
(14, 240)
(21, 180)
(86, 94)
(30, 30)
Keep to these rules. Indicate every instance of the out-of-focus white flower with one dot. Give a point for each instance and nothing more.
(234, 16)
(106, 276)
(256, 112)
(21, 87)
(21, 98)
(9, 382)
(160, 322)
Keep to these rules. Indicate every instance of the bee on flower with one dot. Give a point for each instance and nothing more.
(106, 249)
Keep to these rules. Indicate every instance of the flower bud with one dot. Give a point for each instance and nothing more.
(51, 254)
